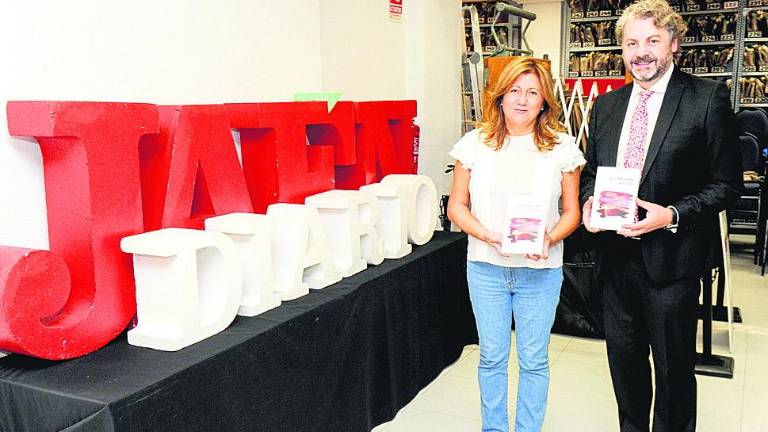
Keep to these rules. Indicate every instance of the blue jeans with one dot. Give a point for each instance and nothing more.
(531, 295)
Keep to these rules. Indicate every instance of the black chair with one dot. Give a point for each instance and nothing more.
(747, 214)
(755, 122)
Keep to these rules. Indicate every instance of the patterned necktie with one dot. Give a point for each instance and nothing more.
(634, 155)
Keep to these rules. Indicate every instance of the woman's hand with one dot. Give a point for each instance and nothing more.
(494, 239)
(459, 213)
(544, 253)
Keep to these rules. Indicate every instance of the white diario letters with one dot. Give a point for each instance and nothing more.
(191, 284)
(300, 251)
(251, 234)
(349, 218)
(188, 286)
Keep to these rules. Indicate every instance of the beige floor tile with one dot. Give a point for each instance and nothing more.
(559, 342)
(587, 345)
(466, 367)
(561, 423)
(755, 400)
(412, 420)
(591, 358)
(585, 408)
(720, 397)
(758, 343)
(716, 424)
(581, 378)
(755, 427)
(756, 369)
(450, 395)
(753, 316)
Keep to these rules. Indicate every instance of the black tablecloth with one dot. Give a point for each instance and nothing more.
(341, 359)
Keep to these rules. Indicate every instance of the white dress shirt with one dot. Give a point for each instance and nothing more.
(653, 105)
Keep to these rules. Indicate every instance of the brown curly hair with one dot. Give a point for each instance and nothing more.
(662, 14)
(548, 122)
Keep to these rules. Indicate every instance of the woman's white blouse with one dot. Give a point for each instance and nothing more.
(518, 168)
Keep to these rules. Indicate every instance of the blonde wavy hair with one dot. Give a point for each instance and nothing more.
(662, 14)
(548, 122)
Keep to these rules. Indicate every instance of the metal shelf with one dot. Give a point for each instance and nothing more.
(715, 43)
(738, 55)
(593, 19)
(714, 74)
(709, 12)
(754, 105)
(621, 77)
(501, 24)
(597, 48)
(753, 74)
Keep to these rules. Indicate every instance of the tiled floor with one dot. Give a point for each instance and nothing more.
(581, 397)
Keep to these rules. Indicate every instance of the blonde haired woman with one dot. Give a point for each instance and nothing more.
(518, 150)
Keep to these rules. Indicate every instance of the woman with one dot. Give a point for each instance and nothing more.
(518, 150)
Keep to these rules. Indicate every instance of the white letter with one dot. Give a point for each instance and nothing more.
(421, 204)
(393, 217)
(251, 234)
(349, 219)
(300, 251)
(188, 286)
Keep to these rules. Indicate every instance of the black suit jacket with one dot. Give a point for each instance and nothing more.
(693, 163)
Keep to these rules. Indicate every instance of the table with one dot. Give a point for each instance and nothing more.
(344, 358)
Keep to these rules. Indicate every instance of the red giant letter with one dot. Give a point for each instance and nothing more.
(278, 164)
(190, 170)
(76, 298)
(383, 141)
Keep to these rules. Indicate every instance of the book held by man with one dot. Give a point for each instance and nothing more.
(615, 198)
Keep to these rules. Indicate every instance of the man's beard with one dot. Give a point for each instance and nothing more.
(661, 67)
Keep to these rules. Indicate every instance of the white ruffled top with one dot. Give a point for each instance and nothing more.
(518, 168)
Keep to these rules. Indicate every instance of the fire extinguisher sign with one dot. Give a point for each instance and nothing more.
(396, 10)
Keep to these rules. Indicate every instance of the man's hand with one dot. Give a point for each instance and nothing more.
(656, 217)
(544, 253)
(585, 215)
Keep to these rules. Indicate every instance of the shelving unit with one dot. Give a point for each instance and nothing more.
(751, 38)
(709, 47)
(486, 13)
(582, 23)
(474, 68)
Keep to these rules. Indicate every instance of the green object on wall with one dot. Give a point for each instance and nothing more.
(330, 97)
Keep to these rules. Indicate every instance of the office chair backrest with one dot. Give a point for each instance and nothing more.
(750, 153)
(756, 123)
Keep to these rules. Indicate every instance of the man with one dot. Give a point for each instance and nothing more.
(679, 131)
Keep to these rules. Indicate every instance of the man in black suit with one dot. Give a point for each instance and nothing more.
(679, 131)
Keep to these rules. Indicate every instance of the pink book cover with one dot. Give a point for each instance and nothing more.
(524, 226)
(614, 202)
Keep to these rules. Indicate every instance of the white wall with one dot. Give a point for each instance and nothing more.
(369, 57)
(434, 79)
(363, 51)
(544, 33)
(197, 51)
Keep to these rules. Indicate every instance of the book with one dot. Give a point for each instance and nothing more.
(615, 199)
(524, 225)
